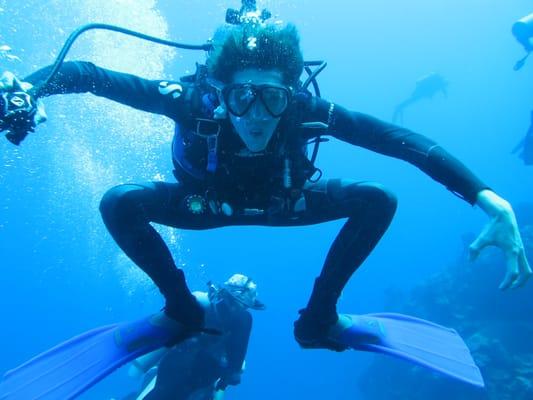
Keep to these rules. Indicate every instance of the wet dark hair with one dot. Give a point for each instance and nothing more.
(262, 46)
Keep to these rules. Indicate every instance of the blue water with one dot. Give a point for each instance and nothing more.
(61, 273)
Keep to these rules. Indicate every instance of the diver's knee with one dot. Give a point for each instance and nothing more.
(109, 201)
(373, 192)
(118, 202)
(384, 201)
(385, 197)
(378, 200)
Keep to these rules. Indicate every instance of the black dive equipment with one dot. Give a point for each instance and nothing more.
(17, 114)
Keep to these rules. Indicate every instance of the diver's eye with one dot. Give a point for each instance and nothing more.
(240, 99)
(275, 100)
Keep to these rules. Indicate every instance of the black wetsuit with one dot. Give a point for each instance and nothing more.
(206, 360)
(254, 183)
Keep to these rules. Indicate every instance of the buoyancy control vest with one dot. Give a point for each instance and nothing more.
(206, 152)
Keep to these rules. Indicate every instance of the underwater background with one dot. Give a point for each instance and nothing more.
(61, 273)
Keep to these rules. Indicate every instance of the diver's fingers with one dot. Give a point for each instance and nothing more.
(525, 270)
(477, 245)
(17, 84)
(512, 270)
(8, 82)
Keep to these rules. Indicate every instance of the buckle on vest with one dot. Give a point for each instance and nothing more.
(209, 130)
(207, 127)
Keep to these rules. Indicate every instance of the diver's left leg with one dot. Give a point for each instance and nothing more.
(369, 208)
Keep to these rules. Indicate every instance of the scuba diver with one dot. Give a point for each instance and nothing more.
(426, 87)
(203, 366)
(525, 147)
(243, 123)
(523, 32)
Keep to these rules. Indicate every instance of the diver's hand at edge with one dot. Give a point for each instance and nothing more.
(502, 231)
(8, 82)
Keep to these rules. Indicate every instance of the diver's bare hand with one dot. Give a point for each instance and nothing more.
(502, 231)
(8, 82)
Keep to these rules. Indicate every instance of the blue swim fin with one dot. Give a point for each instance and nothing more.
(422, 342)
(74, 366)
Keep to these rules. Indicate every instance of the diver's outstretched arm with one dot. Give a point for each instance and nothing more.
(153, 96)
(365, 131)
(502, 229)
(21, 111)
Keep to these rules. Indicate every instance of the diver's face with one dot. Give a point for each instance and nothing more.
(258, 101)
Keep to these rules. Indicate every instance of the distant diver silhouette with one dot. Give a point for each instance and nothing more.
(525, 147)
(426, 88)
(523, 33)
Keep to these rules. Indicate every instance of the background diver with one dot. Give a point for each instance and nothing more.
(242, 124)
(203, 366)
(426, 87)
(525, 147)
(523, 32)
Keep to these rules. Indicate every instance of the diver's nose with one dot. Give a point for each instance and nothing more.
(258, 111)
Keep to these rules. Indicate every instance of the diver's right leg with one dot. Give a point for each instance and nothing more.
(127, 211)
(369, 208)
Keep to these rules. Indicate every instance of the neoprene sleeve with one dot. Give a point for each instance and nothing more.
(394, 141)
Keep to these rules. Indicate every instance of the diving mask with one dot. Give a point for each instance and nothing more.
(240, 97)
